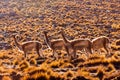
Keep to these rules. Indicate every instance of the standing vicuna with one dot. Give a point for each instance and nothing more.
(28, 46)
(101, 42)
(78, 44)
(54, 45)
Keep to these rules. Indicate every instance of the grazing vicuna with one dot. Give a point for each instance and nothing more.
(28, 46)
(78, 44)
(101, 42)
(54, 45)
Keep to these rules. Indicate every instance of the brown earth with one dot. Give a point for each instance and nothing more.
(78, 18)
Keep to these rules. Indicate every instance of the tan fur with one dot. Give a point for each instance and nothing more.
(28, 46)
(54, 45)
(101, 42)
(79, 44)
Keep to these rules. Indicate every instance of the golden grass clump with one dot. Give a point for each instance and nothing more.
(1, 55)
(95, 56)
(100, 73)
(6, 78)
(77, 61)
(67, 65)
(15, 62)
(36, 76)
(69, 74)
(82, 75)
(40, 73)
(33, 69)
(110, 68)
(38, 70)
(114, 47)
(23, 65)
(116, 63)
(34, 73)
(90, 69)
(116, 26)
(2, 69)
(96, 62)
(117, 42)
(56, 63)
(116, 55)
(112, 76)
(79, 19)
(5, 54)
(33, 62)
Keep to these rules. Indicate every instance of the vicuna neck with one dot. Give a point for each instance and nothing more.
(17, 44)
(65, 39)
(47, 40)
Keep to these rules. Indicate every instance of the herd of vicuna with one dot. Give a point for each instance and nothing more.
(70, 46)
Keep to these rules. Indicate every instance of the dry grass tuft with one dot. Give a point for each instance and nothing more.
(79, 19)
(116, 26)
(118, 42)
(69, 74)
(56, 63)
(23, 65)
(110, 68)
(37, 76)
(114, 47)
(67, 65)
(41, 73)
(33, 62)
(112, 76)
(6, 78)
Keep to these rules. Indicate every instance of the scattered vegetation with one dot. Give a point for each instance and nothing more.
(79, 19)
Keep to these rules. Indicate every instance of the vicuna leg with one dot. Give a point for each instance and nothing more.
(89, 50)
(54, 53)
(38, 52)
(75, 52)
(41, 52)
(67, 50)
(25, 53)
(96, 50)
(37, 49)
(106, 48)
(99, 51)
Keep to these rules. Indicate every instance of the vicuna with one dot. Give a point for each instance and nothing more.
(54, 45)
(77, 45)
(28, 46)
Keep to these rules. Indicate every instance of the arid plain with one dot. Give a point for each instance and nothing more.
(80, 19)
